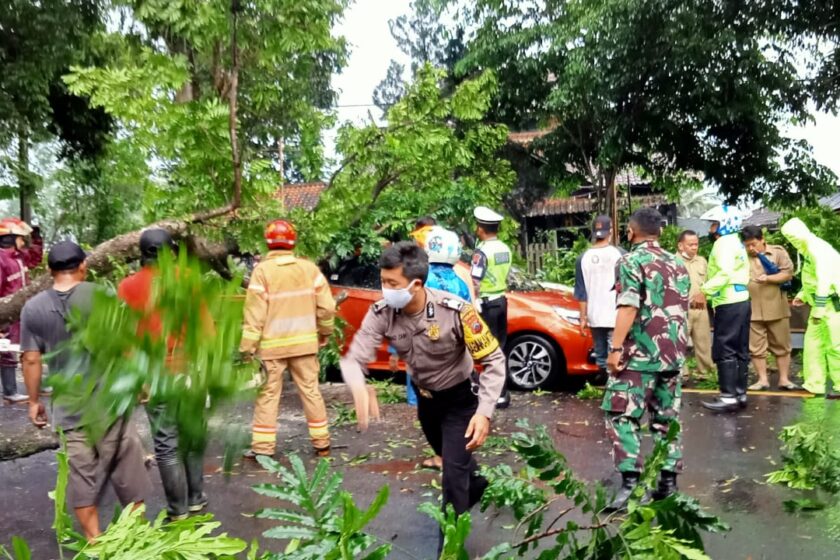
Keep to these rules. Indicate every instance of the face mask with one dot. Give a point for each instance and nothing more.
(399, 298)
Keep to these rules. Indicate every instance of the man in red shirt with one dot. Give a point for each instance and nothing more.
(181, 471)
(14, 275)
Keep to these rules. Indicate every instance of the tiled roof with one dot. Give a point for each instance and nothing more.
(763, 218)
(572, 205)
(526, 137)
(301, 195)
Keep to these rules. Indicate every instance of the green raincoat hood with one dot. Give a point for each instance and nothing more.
(799, 235)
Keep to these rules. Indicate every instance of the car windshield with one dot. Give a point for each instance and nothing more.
(355, 273)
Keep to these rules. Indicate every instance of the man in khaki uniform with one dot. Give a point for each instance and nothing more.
(770, 267)
(289, 314)
(698, 315)
(440, 337)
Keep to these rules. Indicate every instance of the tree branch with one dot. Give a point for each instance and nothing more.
(236, 155)
(557, 531)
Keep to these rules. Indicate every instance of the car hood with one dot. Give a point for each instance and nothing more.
(550, 298)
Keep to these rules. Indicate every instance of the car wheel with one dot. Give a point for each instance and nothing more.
(533, 362)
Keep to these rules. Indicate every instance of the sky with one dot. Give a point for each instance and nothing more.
(366, 28)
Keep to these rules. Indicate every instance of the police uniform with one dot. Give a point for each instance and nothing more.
(440, 345)
(491, 264)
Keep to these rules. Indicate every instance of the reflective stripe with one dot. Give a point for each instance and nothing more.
(259, 437)
(290, 325)
(327, 323)
(291, 294)
(289, 341)
(262, 428)
(248, 334)
(256, 288)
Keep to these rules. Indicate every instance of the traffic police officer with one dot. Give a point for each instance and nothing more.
(438, 336)
(490, 267)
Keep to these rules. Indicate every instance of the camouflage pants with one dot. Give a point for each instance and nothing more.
(628, 395)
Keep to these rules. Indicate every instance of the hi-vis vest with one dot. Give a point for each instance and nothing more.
(728, 273)
(287, 306)
(498, 261)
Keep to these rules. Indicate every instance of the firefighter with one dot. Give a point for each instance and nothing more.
(289, 314)
(14, 275)
(490, 267)
(727, 289)
(820, 290)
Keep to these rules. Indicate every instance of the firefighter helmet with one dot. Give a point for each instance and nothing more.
(280, 234)
(16, 226)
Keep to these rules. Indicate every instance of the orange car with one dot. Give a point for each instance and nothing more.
(544, 339)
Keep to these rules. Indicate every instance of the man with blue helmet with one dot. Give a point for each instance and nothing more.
(727, 291)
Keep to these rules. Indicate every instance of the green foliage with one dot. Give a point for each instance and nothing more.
(418, 165)
(560, 267)
(590, 393)
(388, 392)
(191, 358)
(667, 86)
(323, 522)
(456, 529)
(329, 355)
(810, 459)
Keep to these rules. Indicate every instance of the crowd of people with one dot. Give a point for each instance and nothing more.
(441, 317)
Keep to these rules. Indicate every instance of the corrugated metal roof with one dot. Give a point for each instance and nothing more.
(832, 201)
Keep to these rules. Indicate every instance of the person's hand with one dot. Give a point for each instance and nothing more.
(797, 302)
(477, 430)
(394, 362)
(38, 414)
(698, 301)
(614, 362)
(761, 279)
(323, 341)
(246, 357)
(584, 326)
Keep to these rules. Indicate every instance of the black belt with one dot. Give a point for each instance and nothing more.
(458, 387)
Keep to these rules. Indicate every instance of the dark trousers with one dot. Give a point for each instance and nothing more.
(732, 332)
(181, 470)
(494, 314)
(444, 419)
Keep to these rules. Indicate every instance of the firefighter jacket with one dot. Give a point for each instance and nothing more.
(728, 272)
(820, 271)
(287, 306)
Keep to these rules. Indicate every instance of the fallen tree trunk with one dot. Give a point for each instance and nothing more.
(120, 249)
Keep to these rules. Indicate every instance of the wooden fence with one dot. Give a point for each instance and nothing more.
(535, 253)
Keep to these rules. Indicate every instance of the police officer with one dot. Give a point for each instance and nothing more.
(727, 290)
(439, 337)
(648, 351)
(490, 267)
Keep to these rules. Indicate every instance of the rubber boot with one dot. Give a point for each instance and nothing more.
(743, 382)
(728, 382)
(667, 485)
(629, 481)
(196, 498)
(174, 478)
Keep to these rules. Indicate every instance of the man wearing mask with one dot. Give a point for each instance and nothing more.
(14, 275)
(820, 290)
(595, 288)
(490, 267)
(727, 290)
(699, 327)
(439, 337)
(770, 269)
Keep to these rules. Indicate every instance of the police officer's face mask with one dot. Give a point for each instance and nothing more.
(398, 298)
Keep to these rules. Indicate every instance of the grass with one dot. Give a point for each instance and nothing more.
(590, 393)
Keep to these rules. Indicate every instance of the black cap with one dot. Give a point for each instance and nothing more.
(601, 227)
(151, 241)
(65, 255)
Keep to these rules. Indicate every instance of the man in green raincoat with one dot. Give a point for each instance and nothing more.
(820, 290)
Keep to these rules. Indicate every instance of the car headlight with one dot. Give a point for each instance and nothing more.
(569, 315)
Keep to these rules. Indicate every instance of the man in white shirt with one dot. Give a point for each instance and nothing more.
(595, 282)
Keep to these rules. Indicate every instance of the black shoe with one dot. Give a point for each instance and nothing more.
(504, 400)
(629, 481)
(198, 504)
(728, 382)
(723, 404)
(667, 485)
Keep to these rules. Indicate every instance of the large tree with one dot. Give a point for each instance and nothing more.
(667, 86)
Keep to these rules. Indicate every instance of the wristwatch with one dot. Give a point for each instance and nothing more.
(616, 350)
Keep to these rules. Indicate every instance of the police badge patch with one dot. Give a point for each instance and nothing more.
(477, 336)
(434, 332)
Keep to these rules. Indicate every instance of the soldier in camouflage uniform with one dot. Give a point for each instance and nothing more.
(647, 354)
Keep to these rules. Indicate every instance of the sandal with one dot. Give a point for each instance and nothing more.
(431, 463)
(758, 387)
(790, 387)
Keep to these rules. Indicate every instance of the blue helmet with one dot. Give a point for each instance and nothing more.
(729, 219)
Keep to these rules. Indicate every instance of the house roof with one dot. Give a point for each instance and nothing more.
(578, 205)
(301, 195)
(763, 218)
(832, 201)
(526, 137)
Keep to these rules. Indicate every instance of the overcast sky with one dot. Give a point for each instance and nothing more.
(372, 48)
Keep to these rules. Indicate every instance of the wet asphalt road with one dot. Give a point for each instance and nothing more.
(726, 460)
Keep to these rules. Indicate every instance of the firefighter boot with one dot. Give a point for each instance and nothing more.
(667, 485)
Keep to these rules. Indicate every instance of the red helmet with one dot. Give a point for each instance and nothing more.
(17, 226)
(280, 234)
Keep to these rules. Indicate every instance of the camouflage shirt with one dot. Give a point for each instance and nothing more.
(657, 284)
